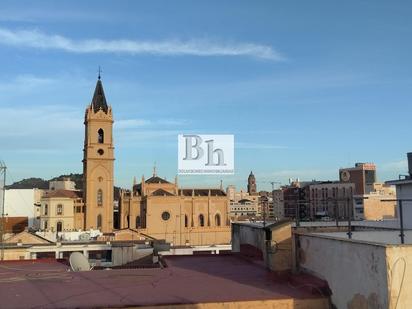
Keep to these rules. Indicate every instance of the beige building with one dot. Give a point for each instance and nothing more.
(161, 210)
(98, 163)
(61, 210)
(379, 204)
(242, 200)
(243, 209)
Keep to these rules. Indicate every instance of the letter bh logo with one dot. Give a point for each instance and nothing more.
(205, 154)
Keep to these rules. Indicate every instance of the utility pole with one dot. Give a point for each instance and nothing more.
(2, 199)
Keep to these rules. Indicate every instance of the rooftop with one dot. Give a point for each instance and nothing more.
(377, 237)
(383, 224)
(186, 280)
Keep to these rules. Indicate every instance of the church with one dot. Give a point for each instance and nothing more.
(154, 208)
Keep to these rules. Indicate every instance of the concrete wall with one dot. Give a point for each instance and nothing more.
(399, 262)
(198, 236)
(125, 254)
(280, 248)
(276, 253)
(10, 254)
(20, 203)
(243, 234)
(355, 271)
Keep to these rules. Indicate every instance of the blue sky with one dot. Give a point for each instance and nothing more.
(305, 87)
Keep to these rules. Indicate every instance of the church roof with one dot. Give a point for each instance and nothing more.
(99, 99)
(63, 193)
(202, 192)
(161, 192)
(245, 200)
(156, 179)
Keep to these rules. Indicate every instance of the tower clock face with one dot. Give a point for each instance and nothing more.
(100, 152)
(345, 176)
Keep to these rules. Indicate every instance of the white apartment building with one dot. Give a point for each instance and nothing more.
(23, 203)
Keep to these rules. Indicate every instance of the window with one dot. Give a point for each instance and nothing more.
(201, 220)
(59, 209)
(137, 221)
(99, 221)
(100, 136)
(165, 215)
(45, 225)
(78, 209)
(46, 209)
(100, 197)
(217, 220)
(59, 227)
(186, 221)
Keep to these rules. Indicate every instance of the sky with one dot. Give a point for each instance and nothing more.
(306, 87)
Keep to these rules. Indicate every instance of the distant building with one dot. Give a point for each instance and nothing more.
(278, 204)
(243, 209)
(296, 199)
(64, 184)
(330, 199)
(363, 175)
(404, 192)
(243, 205)
(62, 210)
(23, 203)
(379, 204)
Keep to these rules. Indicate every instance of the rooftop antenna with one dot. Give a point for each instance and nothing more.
(78, 262)
(154, 170)
(100, 71)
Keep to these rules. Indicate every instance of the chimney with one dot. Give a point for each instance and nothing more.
(410, 164)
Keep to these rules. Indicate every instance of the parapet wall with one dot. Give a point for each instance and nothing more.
(360, 274)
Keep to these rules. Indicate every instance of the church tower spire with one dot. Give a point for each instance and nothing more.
(99, 99)
(251, 184)
(98, 159)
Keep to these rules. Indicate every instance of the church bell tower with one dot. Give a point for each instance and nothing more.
(98, 162)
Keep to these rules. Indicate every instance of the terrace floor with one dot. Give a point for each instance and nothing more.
(189, 280)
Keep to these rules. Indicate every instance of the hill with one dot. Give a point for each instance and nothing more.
(39, 183)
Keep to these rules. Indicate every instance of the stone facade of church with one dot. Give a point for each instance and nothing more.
(162, 210)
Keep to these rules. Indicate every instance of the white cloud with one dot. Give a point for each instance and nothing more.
(259, 146)
(136, 123)
(401, 165)
(38, 39)
(26, 82)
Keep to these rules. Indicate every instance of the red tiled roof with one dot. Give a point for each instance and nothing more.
(63, 193)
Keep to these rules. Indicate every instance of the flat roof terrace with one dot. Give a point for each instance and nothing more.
(203, 279)
(379, 237)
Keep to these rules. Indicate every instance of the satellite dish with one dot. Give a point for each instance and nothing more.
(84, 237)
(78, 262)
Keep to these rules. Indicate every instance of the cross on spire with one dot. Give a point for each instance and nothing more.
(100, 71)
(154, 170)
